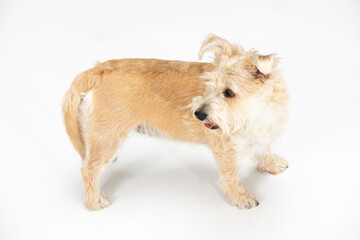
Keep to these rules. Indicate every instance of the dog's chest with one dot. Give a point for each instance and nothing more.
(260, 127)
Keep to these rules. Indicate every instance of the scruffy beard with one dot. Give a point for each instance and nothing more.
(218, 113)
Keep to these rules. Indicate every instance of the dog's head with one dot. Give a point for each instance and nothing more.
(238, 76)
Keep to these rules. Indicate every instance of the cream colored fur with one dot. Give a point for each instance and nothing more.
(159, 98)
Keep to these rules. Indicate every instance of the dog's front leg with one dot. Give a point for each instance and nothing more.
(271, 163)
(229, 178)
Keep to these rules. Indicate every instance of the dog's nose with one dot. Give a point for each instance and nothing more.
(201, 115)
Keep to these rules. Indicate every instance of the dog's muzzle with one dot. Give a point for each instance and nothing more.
(200, 114)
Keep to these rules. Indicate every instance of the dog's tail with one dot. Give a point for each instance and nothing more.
(84, 82)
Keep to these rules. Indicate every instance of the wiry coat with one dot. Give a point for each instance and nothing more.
(159, 97)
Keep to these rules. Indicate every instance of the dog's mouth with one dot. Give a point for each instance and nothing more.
(212, 126)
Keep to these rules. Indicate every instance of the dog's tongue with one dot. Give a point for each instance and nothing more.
(209, 125)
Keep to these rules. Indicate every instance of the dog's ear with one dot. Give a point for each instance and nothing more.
(220, 47)
(263, 65)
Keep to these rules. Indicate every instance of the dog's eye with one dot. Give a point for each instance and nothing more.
(229, 93)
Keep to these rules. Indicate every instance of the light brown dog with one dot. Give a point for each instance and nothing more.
(236, 105)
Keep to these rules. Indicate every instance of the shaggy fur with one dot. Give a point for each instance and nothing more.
(236, 105)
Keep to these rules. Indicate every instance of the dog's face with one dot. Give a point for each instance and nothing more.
(238, 76)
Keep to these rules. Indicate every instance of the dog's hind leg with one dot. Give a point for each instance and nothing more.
(104, 127)
(103, 146)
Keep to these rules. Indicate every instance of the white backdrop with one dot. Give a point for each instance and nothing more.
(167, 190)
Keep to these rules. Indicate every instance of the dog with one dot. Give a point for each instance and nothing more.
(236, 105)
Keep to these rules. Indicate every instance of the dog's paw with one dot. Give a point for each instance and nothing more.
(104, 201)
(273, 164)
(101, 202)
(245, 201)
